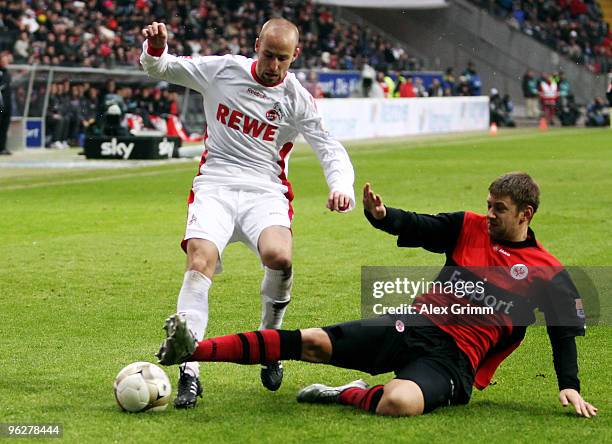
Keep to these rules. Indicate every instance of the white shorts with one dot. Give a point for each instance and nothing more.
(224, 215)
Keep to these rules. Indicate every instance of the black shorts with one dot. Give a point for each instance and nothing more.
(421, 353)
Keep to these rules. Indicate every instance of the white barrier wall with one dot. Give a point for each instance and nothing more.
(350, 119)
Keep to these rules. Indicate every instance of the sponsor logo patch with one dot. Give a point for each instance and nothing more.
(257, 93)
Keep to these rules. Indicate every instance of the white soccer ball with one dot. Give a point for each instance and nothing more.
(142, 386)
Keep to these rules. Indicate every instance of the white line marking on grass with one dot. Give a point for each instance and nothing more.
(91, 179)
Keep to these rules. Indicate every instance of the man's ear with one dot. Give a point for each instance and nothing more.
(296, 53)
(528, 213)
(257, 44)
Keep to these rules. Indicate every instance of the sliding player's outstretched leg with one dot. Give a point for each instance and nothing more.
(254, 347)
(358, 345)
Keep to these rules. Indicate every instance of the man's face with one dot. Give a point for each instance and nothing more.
(275, 53)
(504, 220)
(5, 59)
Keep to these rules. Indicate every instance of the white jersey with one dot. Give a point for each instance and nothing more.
(252, 127)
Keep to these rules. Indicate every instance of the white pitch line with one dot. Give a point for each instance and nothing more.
(90, 179)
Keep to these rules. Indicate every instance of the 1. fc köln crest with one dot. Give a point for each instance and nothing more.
(275, 113)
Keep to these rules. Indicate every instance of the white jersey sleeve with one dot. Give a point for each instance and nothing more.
(191, 72)
(332, 155)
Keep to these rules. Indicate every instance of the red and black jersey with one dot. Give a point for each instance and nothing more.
(513, 272)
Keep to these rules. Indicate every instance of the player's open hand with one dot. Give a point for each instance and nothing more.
(373, 203)
(157, 34)
(583, 408)
(337, 201)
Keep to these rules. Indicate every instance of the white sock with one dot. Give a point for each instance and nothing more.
(193, 305)
(275, 296)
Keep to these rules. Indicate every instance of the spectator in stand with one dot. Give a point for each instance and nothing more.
(568, 111)
(57, 122)
(6, 100)
(531, 94)
(419, 88)
(368, 74)
(549, 94)
(384, 86)
(400, 79)
(21, 49)
(73, 114)
(105, 33)
(609, 92)
(406, 89)
(473, 79)
(113, 122)
(435, 89)
(313, 86)
(390, 91)
(172, 99)
(574, 28)
(377, 91)
(463, 89)
(598, 114)
(161, 106)
(563, 85)
(449, 83)
(90, 109)
(144, 106)
(500, 109)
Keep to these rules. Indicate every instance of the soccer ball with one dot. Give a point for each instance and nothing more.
(142, 386)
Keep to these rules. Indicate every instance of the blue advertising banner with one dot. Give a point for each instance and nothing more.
(339, 84)
(33, 134)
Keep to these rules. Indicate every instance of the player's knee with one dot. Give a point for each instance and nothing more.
(316, 345)
(397, 401)
(200, 264)
(200, 260)
(277, 259)
(392, 405)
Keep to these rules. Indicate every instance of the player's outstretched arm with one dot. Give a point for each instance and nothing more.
(373, 203)
(583, 408)
(156, 35)
(157, 63)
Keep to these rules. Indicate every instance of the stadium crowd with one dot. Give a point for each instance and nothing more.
(77, 109)
(574, 28)
(106, 33)
(550, 97)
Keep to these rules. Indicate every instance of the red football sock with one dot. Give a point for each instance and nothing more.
(365, 399)
(254, 347)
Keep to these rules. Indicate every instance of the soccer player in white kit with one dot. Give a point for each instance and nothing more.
(254, 111)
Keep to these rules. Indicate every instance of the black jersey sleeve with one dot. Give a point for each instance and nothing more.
(437, 233)
(565, 359)
(562, 306)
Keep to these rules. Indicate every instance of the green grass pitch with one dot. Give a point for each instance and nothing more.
(90, 266)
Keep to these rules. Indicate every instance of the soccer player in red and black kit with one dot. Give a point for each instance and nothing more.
(435, 360)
